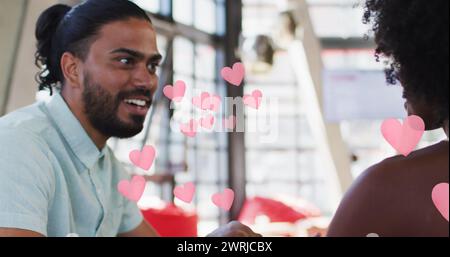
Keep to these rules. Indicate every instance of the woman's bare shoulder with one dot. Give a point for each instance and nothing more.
(433, 152)
(426, 164)
(392, 194)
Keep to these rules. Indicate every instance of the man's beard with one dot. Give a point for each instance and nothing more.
(102, 108)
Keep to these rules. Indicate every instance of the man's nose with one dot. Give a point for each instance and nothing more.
(144, 79)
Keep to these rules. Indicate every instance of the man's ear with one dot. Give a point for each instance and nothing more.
(71, 67)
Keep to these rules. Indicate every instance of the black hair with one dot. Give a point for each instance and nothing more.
(61, 29)
(414, 35)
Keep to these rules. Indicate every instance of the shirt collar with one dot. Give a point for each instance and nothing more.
(72, 131)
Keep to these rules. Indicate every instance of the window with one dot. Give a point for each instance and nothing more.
(289, 165)
(195, 59)
(362, 137)
(196, 64)
(204, 15)
(153, 6)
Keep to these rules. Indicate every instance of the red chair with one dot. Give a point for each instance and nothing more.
(172, 221)
(275, 210)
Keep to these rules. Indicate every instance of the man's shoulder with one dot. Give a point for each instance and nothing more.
(25, 128)
(19, 143)
(24, 152)
(27, 122)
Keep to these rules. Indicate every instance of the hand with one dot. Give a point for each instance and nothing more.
(234, 229)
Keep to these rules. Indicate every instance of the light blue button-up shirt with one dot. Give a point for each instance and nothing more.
(55, 181)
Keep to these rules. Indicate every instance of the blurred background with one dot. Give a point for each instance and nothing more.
(315, 57)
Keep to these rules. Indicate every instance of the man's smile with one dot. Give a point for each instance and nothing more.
(136, 106)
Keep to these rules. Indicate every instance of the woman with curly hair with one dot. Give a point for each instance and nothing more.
(393, 198)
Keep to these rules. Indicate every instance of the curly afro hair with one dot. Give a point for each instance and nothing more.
(413, 35)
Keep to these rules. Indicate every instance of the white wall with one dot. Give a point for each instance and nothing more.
(11, 17)
(331, 144)
(24, 87)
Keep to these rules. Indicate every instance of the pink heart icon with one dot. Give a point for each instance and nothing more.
(234, 76)
(404, 138)
(185, 192)
(207, 122)
(189, 129)
(143, 159)
(229, 123)
(253, 100)
(176, 92)
(212, 103)
(440, 198)
(206, 101)
(197, 101)
(134, 190)
(224, 200)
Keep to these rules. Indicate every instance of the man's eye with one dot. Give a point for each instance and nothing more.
(126, 61)
(153, 67)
